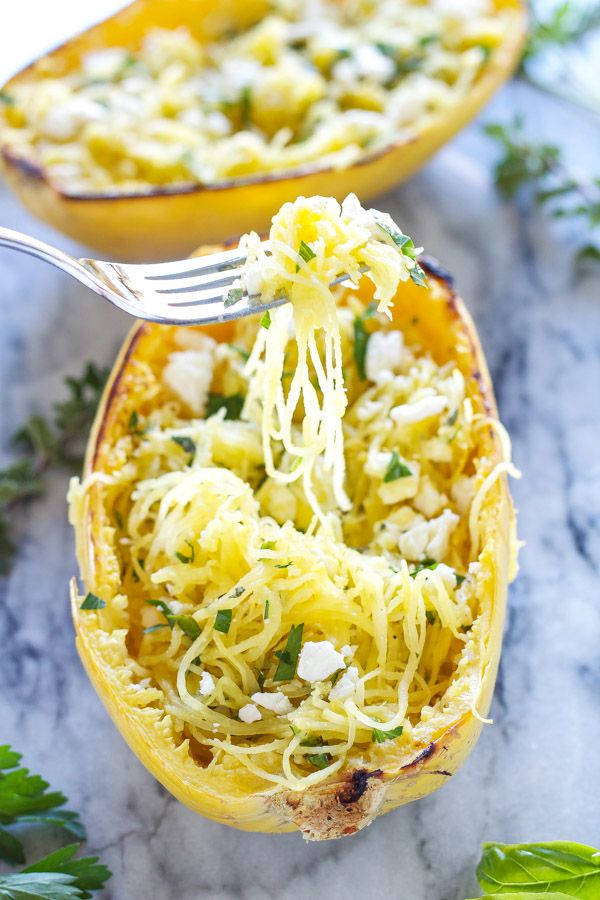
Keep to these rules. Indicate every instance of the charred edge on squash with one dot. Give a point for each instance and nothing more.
(433, 267)
(423, 755)
(357, 784)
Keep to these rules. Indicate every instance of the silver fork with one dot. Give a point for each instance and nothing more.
(186, 292)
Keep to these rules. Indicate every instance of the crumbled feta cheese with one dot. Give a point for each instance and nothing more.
(447, 574)
(62, 122)
(102, 65)
(347, 651)
(428, 500)
(385, 350)
(189, 374)
(377, 464)
(408, 413)
(368, 409)
(277, 702)
(428, 539)
(318, 660)
(249, 713)
(346, 685)
(207, 684)
(462, 492)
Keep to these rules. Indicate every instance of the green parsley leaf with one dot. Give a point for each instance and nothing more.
(186, 444)
(133, 424)
(361, 339)
(56, 877)
(183, 558)
(426, 564)
(459, 579)
(320, 760)
(232, 404)
(396, 469)
(24, 799)
(233, 296)
(223, 620)
(92, 601)
(311, 740)
(306, 253)
(288, 658)
(379, 736)
(430, 616)
(284, 565)
(268, 545)
(188, 624)
(266, 612)
(265, 322)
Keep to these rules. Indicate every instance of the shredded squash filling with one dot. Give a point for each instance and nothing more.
(293, 515)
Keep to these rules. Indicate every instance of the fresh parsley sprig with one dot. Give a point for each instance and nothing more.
(45, 442)
(25, 799)
(541, 168)
(568, 22)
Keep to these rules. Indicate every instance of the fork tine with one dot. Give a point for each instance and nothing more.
(195, 282)
(211, 263)
(218, 312)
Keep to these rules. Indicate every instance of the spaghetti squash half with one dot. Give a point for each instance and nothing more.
(295, 535)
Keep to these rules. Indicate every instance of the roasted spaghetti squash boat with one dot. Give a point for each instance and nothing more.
(173, 124)
(295, 535)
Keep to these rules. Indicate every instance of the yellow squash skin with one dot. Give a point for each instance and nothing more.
(391, 774)
(168, 224)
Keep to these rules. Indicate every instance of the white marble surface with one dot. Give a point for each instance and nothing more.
(535, 773)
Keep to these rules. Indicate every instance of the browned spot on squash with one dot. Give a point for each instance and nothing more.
(423, 755)
(200, 753)
(357, 785)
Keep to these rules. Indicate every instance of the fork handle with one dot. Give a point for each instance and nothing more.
(24, 243)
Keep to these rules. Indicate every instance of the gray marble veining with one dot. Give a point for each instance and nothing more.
(535, 772)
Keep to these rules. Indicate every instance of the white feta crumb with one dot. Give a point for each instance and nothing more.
(372, 63)
(447, 574)
(188, 374)
(61, 123)
(346, 685)
(463, 491)
(102, 65)
(277, 702)
(249, 713)
(428, 539)
(318, 660)
(385, 350)
(408, 413)
(428, 500)
(347, 651)
(368, 409)
(207, 684)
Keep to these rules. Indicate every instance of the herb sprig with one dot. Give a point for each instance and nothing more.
(541, 168)
(46, 442)
(25, 799)
(557, 869)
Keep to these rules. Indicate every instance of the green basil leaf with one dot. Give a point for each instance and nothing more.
(306, 253)
(233, 296)
(265, 322)
(320, 760)
(573, 869)
(184, 558)
(536, 895)
(361, 339)
(379, 736)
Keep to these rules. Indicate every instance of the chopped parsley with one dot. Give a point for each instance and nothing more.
(265, 322)
(266, 612)
(284, 565)
(396, 469)
(404, 243)
(92, 601)
(306, 253)
(380, 736)
(188, 624)
(430, 616)
(232, 404)
(288, 658)
(459, 579)
(268, 545)
(237, 591)
(223, 620)
(361, 339)
(183, 558)
(6, 99)
(233, 296)
(133, 424)
(320, 760)
(426, 564)
(186, 444)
